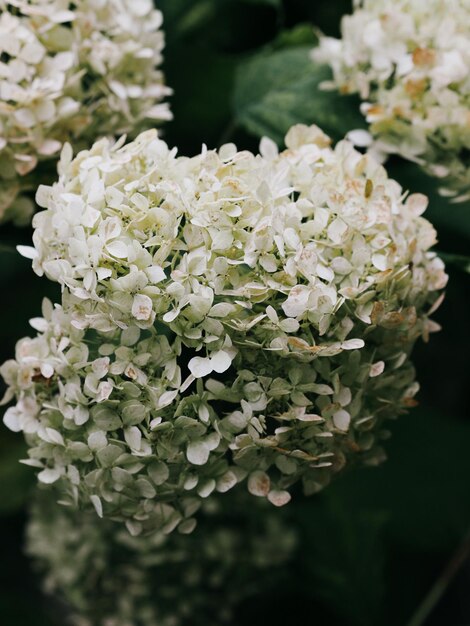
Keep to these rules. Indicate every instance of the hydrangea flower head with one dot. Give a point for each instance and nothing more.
(224, 317)
(156, 580)
(409, 60)
(72, 71)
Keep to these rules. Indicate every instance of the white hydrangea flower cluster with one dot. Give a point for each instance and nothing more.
(72, 71)
(168, 581)
(225, 316)
(409, 60)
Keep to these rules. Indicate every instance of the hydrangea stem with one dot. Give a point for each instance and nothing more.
(442, 583)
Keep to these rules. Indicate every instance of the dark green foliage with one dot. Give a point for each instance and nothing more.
(274, 91)
(374, 542)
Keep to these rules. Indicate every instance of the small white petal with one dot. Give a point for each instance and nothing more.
(11, 420)
(360, 138)
(259, 484)
(142, 307)
(198, 452)
(279, 498)
(133, 437)
(376, 369)
(50, 475)
(96, 501)
(220, 361)
(353, 344)
(200, 367)
(28, 252)
(118, 249)
(342, 419)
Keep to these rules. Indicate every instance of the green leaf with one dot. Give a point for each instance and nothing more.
(182, 17)
(300, 35)
(219, 20)
(273, 91)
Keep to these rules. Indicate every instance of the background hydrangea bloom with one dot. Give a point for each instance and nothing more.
(72, 72)
(409, 60)
(226, 316)
(106, 577)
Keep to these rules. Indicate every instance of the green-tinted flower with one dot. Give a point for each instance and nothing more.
(105, 577)
(409, 60)
(224, 317)
(72, 71)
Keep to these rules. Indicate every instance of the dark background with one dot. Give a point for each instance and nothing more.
(374, 542)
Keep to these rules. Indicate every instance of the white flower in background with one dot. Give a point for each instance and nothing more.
(224, 317)
(157, 580)
(409, 61)
(71, 72)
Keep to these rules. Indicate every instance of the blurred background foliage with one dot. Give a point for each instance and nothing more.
(373, 544)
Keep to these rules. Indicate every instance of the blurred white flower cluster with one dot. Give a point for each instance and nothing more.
(105, 577)
(72, 71)
(225, 316)
(409, 60)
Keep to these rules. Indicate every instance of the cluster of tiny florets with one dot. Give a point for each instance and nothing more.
(104, 577)
(72, 71)
(224, 317)
(409, 60)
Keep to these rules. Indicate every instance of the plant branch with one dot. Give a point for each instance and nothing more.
(442, 583)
